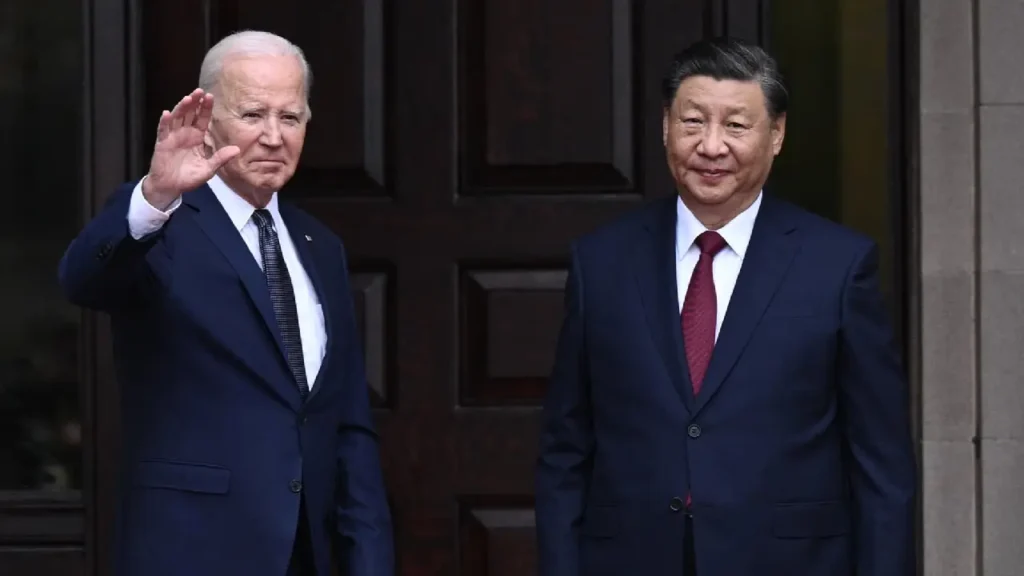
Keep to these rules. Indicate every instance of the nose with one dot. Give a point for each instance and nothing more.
(712, 144)
(271, 135)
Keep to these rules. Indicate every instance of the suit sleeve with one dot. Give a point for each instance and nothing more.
(106, 263)
(365, 545)
(875, 408)
(566, 444)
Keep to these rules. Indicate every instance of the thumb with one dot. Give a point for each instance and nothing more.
(221, 157)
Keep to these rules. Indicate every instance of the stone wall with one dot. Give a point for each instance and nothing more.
(972, 256)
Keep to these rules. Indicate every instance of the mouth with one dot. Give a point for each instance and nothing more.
(267, 166)
(712, 173)
(712, 177)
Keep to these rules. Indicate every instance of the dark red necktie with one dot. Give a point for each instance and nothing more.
(700, 312)
(700, 309)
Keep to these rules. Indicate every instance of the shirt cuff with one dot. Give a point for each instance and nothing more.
(143, 218)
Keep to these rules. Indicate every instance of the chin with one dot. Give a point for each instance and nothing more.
(268, 184)
(711, 196)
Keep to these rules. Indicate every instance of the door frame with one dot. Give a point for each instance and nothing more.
(904, 177)
(112, 142)
(112, 132)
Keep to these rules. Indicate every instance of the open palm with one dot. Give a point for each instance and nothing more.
(179, 163)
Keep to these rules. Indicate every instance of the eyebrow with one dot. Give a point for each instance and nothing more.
(255, 106)
(729, 111)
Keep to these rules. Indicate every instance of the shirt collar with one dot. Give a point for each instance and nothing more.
(239, 210)
(736, 232)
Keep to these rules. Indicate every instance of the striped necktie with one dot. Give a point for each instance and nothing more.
(282, 296)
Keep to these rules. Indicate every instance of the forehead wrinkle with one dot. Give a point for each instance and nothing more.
(726, 110)
(733, 96)
(240, 80)
(245, 98)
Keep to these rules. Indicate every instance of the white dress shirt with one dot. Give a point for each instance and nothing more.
(144, 218)
(726, 266)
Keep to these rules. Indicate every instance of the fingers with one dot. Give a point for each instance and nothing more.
(221, 157)
(188, 115)
(187, 109)
(178, 112)
(205, 112)
(163, 127)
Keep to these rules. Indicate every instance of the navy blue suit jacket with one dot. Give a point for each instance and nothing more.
(218, 446)
(797, 449)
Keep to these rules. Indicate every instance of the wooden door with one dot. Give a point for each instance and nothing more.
(457, 147)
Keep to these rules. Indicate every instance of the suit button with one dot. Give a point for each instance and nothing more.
(676, 504)
(102, 252)
(693, 431)
(295, 486)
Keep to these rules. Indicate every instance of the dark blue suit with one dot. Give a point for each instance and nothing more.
(218, 446)
(797, 449)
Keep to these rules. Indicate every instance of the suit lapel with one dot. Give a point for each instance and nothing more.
(311, 254)
(655, 273)
(215, 222)
(773, 245)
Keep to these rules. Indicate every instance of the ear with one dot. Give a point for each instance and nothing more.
(778, 133)
(208, 145)
(664, 127)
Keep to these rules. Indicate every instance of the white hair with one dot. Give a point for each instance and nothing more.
(252, 42)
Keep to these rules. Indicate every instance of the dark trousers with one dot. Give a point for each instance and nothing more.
(690, 565)
(302, 563)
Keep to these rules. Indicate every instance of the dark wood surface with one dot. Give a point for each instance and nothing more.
(456, 147)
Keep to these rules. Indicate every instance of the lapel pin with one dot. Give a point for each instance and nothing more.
(308, 239)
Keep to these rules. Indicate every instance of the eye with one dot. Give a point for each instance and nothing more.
(735, 126)
(692, 121)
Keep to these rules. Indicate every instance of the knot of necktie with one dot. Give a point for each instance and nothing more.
(263, 219)
(710, 243)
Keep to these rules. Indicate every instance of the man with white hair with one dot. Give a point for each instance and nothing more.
(248, 443)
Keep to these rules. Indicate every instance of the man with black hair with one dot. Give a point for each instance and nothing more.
(726, 397)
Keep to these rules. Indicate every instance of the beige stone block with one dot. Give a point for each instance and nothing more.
(1001, 197)
(1001, 334)
(1000, 45)
(947, 192)
(1002, 510)
(948, 495)
(947, 56)
(948, 390)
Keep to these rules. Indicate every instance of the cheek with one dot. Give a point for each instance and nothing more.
(753, 167)
(681, 149)
(243, 136)
(293, 141)
(294, 136)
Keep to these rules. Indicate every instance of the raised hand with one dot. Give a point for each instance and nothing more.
(179, 160)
